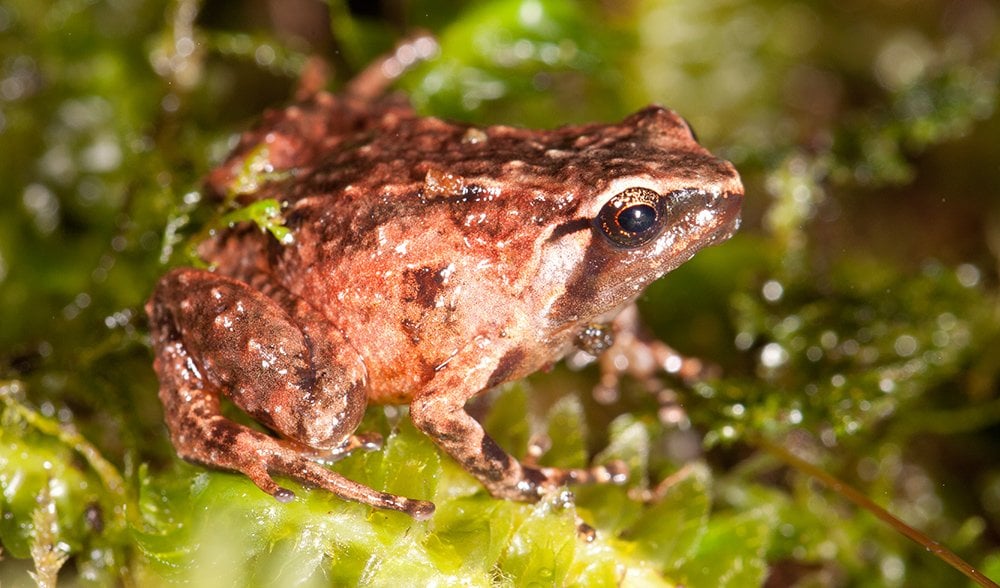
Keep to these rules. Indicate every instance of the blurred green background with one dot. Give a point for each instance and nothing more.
(855, 317)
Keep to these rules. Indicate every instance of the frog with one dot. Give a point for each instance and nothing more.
(425, 262)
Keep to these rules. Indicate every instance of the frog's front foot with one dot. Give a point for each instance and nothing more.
(443, 418)
(534, 482)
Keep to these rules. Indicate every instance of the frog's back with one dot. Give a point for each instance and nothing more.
(298, 138)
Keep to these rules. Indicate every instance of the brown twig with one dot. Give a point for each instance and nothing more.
(859, 499)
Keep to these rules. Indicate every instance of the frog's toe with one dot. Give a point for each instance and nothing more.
(421, 510)
(369, 441)
(259, 476)
(365, 441)
(284, 495)
(614, 472)
(307, 471)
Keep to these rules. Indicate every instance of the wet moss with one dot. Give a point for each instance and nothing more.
(853, 318)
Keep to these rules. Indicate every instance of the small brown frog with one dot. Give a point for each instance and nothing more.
(430, 261)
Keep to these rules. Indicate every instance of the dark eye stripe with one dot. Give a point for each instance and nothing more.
(569, 227)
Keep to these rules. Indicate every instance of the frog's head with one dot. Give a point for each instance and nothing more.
(649, 200)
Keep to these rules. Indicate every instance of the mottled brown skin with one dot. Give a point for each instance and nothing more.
(430, 262)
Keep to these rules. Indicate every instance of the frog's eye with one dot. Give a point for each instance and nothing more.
(633, 217)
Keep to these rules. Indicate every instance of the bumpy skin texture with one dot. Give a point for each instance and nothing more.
(431, 261)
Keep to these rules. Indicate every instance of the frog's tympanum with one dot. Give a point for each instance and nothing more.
(430, 261)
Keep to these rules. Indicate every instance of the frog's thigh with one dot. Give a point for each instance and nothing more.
(214, 333)
(286, 367)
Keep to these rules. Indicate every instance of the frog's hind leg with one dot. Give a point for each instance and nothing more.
(222, 336)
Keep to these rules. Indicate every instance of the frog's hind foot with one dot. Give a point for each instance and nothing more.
(638, 355)
(313, 474)
(258, 456)
(369, 441)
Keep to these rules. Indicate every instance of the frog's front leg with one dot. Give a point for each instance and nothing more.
(439, 411)
(279, 361)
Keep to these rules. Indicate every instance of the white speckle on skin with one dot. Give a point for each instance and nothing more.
(704, 217)
(192, 369)
(663, 244)
(401, 248)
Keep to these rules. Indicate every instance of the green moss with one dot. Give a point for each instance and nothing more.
(853, 318)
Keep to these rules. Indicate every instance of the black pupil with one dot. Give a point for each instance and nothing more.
(637, 218)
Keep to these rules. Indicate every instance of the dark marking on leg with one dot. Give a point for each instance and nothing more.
(506, 367)
(499, 461)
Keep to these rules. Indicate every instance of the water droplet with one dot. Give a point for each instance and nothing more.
(773, 355)
(905, 345)
(772, 290)
(968, 275)
(743, 340)
(828, 339)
